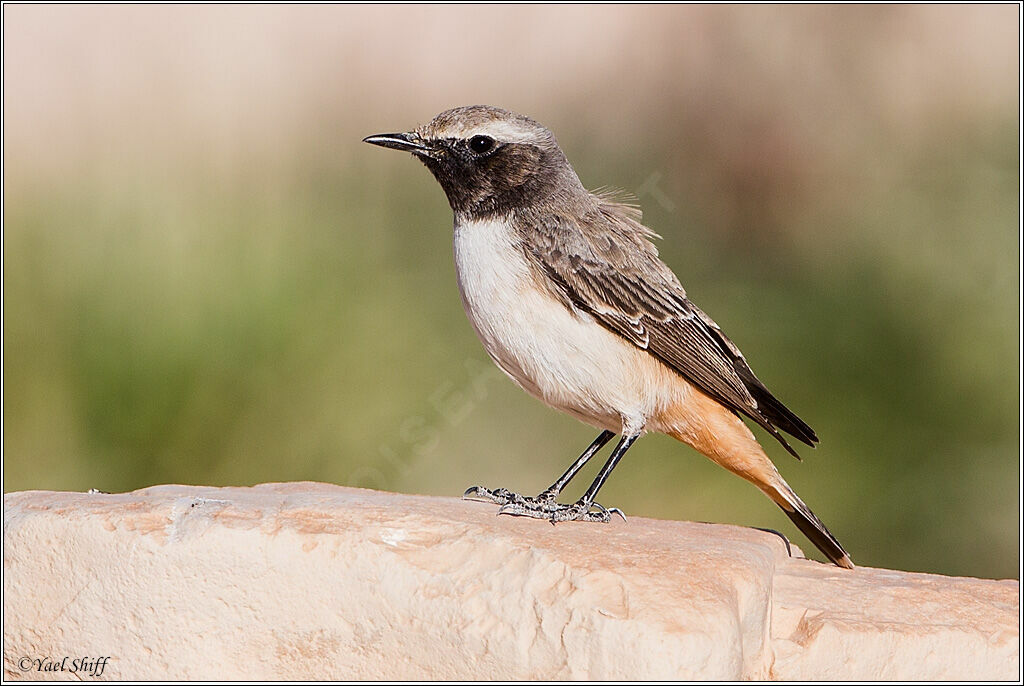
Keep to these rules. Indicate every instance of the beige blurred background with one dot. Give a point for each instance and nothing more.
(208, 279)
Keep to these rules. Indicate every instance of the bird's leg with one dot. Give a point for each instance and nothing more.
(552, 491)
(581, 509)
(545, 501)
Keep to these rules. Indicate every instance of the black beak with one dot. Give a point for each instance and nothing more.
(410, 142)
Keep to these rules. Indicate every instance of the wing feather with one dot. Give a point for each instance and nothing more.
(606, 265)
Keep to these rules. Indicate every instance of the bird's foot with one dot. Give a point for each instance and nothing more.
(501, 496)
(554, 512)
(542, 506)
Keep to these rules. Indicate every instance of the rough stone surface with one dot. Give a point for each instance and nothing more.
(311, 581)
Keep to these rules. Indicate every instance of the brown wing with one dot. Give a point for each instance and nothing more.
(611, 269)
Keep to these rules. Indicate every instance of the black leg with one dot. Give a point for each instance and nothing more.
(580, 510)
(552, 491)
(544, 505)
(606, 470)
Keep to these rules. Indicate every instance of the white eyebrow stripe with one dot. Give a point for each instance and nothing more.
(504, 131)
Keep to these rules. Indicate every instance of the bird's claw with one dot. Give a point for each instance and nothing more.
(501, 496)
(606, 512)
(476, 493)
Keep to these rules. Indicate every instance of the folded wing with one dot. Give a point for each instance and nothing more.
(607, 266)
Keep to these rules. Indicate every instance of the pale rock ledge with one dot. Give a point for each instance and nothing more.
(311, 581)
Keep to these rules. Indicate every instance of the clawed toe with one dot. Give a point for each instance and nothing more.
(606, 512)
(542, 506)
(582, 512)
(477, 493)
(501, 496)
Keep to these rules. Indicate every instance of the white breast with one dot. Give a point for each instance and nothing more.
(562, 356)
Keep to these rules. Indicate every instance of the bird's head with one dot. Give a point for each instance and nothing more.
(488, 160)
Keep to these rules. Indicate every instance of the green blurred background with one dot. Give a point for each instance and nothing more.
(208, 279)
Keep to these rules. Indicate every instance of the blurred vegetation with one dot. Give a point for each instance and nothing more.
(288, 316)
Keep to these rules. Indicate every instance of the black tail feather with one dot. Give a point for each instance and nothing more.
(816, 532)
(781, 416)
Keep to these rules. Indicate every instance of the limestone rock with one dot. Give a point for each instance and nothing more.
(311, 581)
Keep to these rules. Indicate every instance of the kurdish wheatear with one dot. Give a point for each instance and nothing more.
(567, 293)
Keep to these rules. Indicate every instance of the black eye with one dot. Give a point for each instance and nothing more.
(481, 144)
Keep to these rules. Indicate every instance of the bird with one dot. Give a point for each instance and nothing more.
(566, 291)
